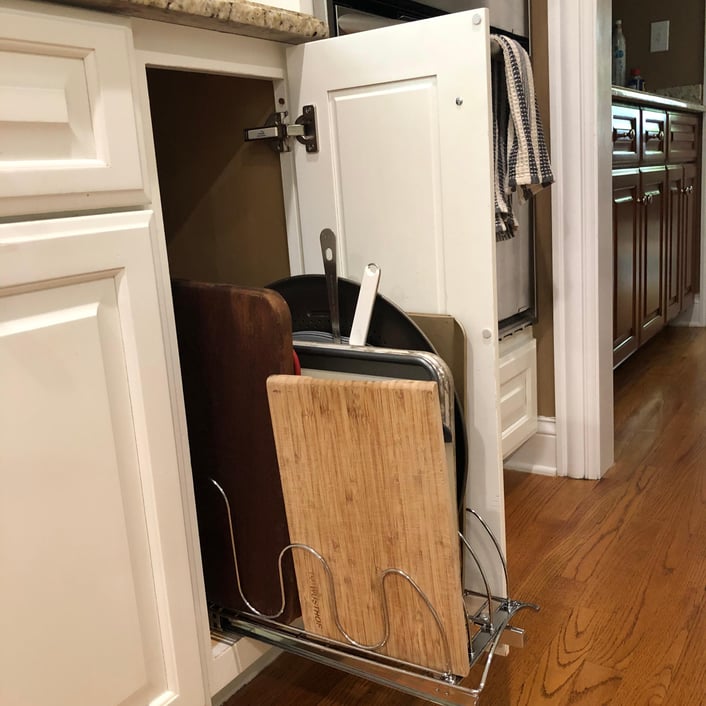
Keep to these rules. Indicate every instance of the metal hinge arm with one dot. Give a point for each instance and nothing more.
(278, 131)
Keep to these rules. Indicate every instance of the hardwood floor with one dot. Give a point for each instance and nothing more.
(618, 565)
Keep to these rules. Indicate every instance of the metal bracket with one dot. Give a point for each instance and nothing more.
(277, 131)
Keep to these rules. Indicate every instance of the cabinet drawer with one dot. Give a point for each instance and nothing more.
(626, 135)
(68, 133)
(654, 136)
(518, 390)
(683, 137)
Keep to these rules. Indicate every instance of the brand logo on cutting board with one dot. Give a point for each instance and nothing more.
(315, 599)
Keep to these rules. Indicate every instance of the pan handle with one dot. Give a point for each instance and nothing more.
(364, 307)
(328, 252)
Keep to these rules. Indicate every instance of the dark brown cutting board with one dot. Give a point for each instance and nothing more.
(366, 485)
(230, 340)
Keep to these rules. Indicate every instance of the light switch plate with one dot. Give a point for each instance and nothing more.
(659, 36)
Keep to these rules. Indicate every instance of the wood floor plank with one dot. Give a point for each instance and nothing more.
(618, 565)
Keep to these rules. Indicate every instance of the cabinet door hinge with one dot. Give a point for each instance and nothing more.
(277, 131)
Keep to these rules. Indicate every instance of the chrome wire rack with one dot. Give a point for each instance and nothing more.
(488, 619)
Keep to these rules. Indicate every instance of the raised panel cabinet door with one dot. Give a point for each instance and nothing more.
(626, 135)
(404, 178)
(651, 307)
(68, 132)
(654, 136)
(674, 266)
(97, 602)
(626, 250)
(690, 268)
(683, 137)
(518, 391)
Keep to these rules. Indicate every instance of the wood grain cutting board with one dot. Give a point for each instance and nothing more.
(231, 339)
(366, 485)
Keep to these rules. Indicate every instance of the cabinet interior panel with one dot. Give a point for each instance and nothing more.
(222, 198)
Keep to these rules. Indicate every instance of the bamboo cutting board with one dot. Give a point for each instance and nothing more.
(366, 485)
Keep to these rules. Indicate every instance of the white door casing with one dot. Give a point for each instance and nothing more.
(404, 178)
(579, 37)
(97, 604)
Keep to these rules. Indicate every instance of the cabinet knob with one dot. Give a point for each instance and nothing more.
(654, 135)
(619, 134)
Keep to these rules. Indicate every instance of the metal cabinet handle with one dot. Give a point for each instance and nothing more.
(619, 134)
(652, 135)
(646, 199)
(622, 134)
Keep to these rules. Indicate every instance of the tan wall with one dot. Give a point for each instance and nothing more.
(683, 63)
(544, 330)
(221, 197)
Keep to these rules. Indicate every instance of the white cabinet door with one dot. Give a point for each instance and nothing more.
(68, 133)
(97, 601)
(404, 178)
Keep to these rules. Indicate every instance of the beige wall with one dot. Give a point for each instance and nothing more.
(683, 64)
(544, 330)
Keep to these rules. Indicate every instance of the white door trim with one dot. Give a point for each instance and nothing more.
(579, 42)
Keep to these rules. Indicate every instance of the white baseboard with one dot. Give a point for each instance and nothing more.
(695, 317)
(538, 453)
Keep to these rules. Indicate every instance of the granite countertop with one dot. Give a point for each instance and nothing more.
(235, 16)
(629, 94)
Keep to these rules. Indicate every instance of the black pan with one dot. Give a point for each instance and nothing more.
(390, 327)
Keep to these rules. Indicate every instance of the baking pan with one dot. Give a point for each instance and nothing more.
(390, 328)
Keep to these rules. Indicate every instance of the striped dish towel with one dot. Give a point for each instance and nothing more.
(521, 160)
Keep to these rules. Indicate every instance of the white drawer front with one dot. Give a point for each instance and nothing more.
(68, 134)
(518, 395)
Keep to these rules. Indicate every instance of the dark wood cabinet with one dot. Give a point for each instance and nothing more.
(627, 131)
(626, 248)
(653, 202)
(654, 136)
(683, 143)
(640, 236)
(656, 219)
(691, 220)
(673, 255)
(682, 238)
